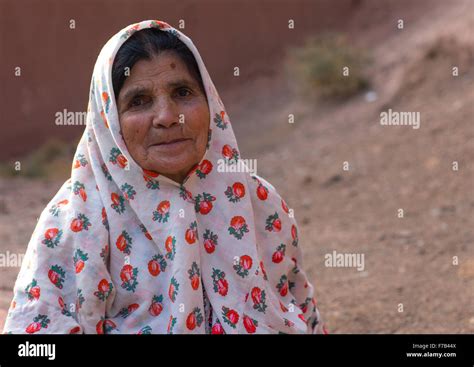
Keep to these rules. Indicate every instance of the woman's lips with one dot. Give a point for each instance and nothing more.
(172, 144)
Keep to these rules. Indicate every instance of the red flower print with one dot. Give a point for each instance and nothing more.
(128, 191)
(263, 270)
(161, 214)
(104, 118)
(282, 307)
(56, 275)
(104, 289)
(106, 100)
(294, 235)
(301, 316)
(186, 195)
(128, 275)
(33, 291)
(258, 298)
(221, 285)
(124, 243)
(145, 232)
(39, 322)
(122, 161)
(210, 241)
(173, 289)
(156, 265)
(191, 233)
(304, 306)
(127, 311)
(236, 192)
(52, 236)
(80, 259)
(219, 120)
(170, 245)
(75, 330)
(80, 161)
(203, 203)
(230, 316)
(194, 318)
(80, 223)
(217, 329)
(238, 227)
(63, 306)
(105, 222)
(79, 189)
(250, 324)
(105, 326)
(156, 306)
(56, 208)
(278, 255)
(283, 285)
(194, 275)
(171, 324)
(204, 169)
(159, 24)
(230, 154)
(273, 223)
(118, 203)
(116, 157)
(149, 177)
(243, 266)
(262, 192)
(151, 173)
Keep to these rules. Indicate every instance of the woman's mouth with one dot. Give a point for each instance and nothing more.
(172, 144)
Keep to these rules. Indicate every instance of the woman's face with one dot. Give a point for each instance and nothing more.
(164, 116)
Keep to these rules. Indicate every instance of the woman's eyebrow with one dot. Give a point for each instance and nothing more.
(133, 92)
(180, 83)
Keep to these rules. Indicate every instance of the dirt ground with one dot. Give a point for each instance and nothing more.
(408, 260)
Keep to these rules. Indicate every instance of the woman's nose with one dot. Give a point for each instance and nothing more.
(165, 113)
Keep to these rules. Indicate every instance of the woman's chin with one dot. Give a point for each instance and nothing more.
(172, 169)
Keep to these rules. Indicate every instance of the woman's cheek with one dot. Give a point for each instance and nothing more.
(198, 119)
(134, 130)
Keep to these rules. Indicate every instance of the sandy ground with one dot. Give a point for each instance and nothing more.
(408, 260)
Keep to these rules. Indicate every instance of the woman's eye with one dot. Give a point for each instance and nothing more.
(139, 101)
(184, 92)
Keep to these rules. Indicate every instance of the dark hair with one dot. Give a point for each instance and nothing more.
(144, 45)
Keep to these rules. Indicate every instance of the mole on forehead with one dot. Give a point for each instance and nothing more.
(170, 70)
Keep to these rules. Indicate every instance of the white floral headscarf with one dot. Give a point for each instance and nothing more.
(123, 250)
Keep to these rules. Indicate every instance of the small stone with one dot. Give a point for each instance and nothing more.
(332, 180)
(308, 179)
(371, 96)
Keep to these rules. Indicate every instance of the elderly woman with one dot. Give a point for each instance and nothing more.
(149, 235)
